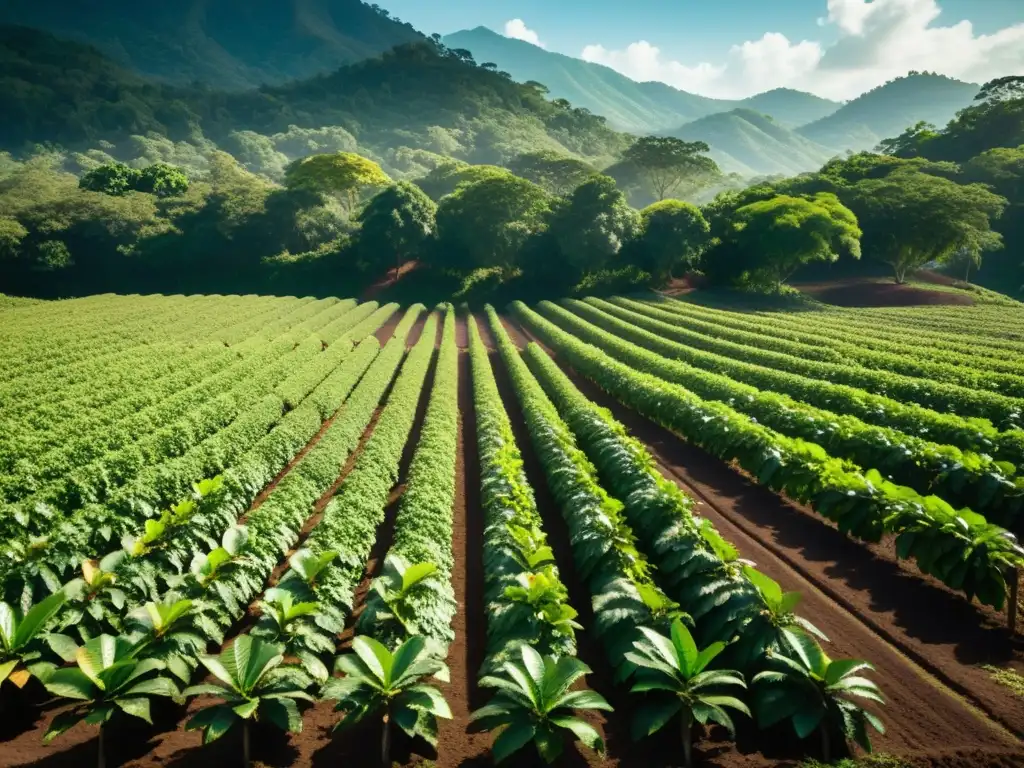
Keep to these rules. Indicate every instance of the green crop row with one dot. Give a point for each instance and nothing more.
(962, 478)
(1002, 410)
(961, 549)
(903, 361)
(525, 600)
(351, 519)
(976, 435)
(423, 525)
(617, 574)
(825, 332)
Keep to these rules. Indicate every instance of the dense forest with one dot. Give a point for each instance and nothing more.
(112, 182)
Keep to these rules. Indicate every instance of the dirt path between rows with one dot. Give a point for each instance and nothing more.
(864, 603)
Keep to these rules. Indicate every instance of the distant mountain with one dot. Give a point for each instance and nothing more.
(752, 144)
(650, 107)
(224, 43)
(410, 103)
(627, 104)
(791, 108)
(890, 109)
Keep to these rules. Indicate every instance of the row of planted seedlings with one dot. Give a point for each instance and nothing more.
(963, 478)
(969, 434)
(166, 604)
(112, 511)
(802, 335)
(188, 328)
(105, 469)
(309, 607)
(1005, 379)
(958, 547)
(45, 455)
(1003, 410)
(693, 625)
(530, 655)
(145, 379)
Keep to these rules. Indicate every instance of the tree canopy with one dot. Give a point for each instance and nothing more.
(342, 174)
(558, 173)
(675, 234)
(766, 241)
(666, 163)
(395, 225)
(486, 224)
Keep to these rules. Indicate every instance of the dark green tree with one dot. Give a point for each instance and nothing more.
(766, 241)
(111, 179)
(591, 228)
(910, 218)
(558, 173)
(675, 234)
(162, 180)
(446, 178)
(669, 164)
(396, 224)
(486, 224)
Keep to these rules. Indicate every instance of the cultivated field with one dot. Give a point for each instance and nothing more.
(560, 475)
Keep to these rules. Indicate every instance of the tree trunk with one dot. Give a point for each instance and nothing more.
(385, 743)
(101, 760)
(825, 746)
(967, 274)
(245, 743)
(687, 734)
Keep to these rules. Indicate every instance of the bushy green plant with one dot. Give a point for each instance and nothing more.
(379, 683)
(534, 704)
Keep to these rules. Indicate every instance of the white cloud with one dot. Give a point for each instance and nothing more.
(516, 28)
(877, 40)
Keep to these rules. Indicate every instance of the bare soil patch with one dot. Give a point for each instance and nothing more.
(858, 292)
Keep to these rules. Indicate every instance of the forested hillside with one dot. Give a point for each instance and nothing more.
(224, 43)
(649, 107)
(888, 109)
(753, 144)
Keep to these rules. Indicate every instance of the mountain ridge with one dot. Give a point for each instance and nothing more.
(750, 143)
(232, 44)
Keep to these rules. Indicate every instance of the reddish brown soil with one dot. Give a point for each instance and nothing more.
(871, 293)
(417, 330)
(457, 748)
(389, 279)
(386, 331)
(862, 599)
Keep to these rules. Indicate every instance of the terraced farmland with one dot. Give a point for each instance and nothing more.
(288, 481)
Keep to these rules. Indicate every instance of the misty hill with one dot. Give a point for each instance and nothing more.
(752, 144)
(225, 43)
(888, 110)
(791, 108)
(415, 96)
(627, 104)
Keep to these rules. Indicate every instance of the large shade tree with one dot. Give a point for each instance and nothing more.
(912, 218)
(486, 224)
(675, 234)
(592, 227)
(396, 224)
(558, 173)
(766, 241)
(671, 166)
(343, 175)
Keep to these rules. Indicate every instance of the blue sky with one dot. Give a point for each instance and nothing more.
(688, 33)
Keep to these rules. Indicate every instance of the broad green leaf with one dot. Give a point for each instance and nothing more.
(284, 713)
(767, 586)
(71, 683)
(214, 721)
(136, 706)
(34, 621)
(651, 718)
(375, 656)
(512, 739)
(585, 732)
(414, 574)
(404, 656)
